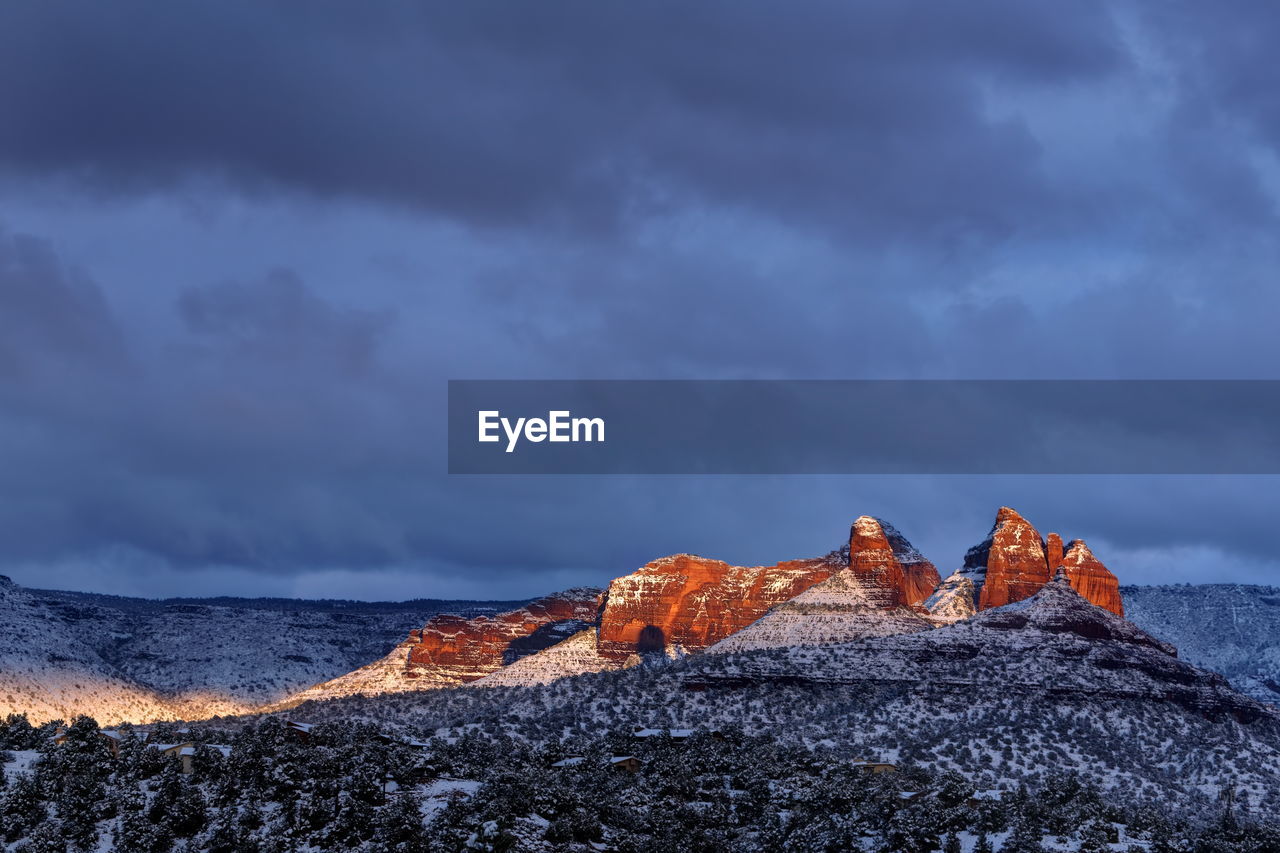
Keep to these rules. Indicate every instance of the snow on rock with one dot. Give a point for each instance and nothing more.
(689, 602)
(955, 598)
(453, 650)
(844, 607)
(575, 656)
(1012, 564)
(1090, 578)
(1055, 644)
(1229, 628)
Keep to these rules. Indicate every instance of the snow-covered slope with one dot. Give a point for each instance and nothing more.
(125, 659)
(834, 611)
(1044, 686)
(450, 651)
(1054, 643)
(954, 598)
(575, 656)
(48, 672)
(1233, 629)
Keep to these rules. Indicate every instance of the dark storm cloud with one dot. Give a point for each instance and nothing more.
(266, 237)
(867, 118)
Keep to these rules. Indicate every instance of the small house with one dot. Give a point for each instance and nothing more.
(300, 732)
(185, 752)
(113, 737)
(626, 763)
(875, 766)
(174, 751)
(571, 761)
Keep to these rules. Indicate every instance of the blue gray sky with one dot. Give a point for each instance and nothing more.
(243, 246)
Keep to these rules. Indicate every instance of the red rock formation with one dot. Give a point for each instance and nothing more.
(921, 576)
(1091, 579)
(1053, 550)
(693, 602)
(1013, 563)
(890, 564)
(871, 558)
(455, 649)
(1013, 556)
(690, 602)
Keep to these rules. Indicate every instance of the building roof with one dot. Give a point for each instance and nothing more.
(641, 731)
(169, 747)
(572, 761)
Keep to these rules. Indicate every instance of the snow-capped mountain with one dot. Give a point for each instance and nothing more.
(130, 659)
(1043, 686)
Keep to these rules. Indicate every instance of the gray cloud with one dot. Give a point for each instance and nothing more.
(868, 119)
(267, 238)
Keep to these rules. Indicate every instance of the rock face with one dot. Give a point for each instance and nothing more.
(1090, 578)
(890, 563)
(687, 603)
(844, 607)
(1013, 563)
(452, 650)
(466, 649)
(1053, 550)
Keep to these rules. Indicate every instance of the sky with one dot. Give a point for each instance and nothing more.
(244, 245)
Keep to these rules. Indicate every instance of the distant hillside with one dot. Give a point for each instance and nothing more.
(116, 658)
(1233, 629)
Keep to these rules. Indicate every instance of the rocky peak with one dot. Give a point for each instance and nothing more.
(1053, 551)
(920, 576)
(1011, 561)
(873, 561)
(1091, 578)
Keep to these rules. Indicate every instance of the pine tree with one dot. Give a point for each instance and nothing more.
(22, 808)
(1025, 838)
(48, 837)
(399, 826)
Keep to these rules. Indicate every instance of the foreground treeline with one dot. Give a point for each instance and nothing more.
(346, 787)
